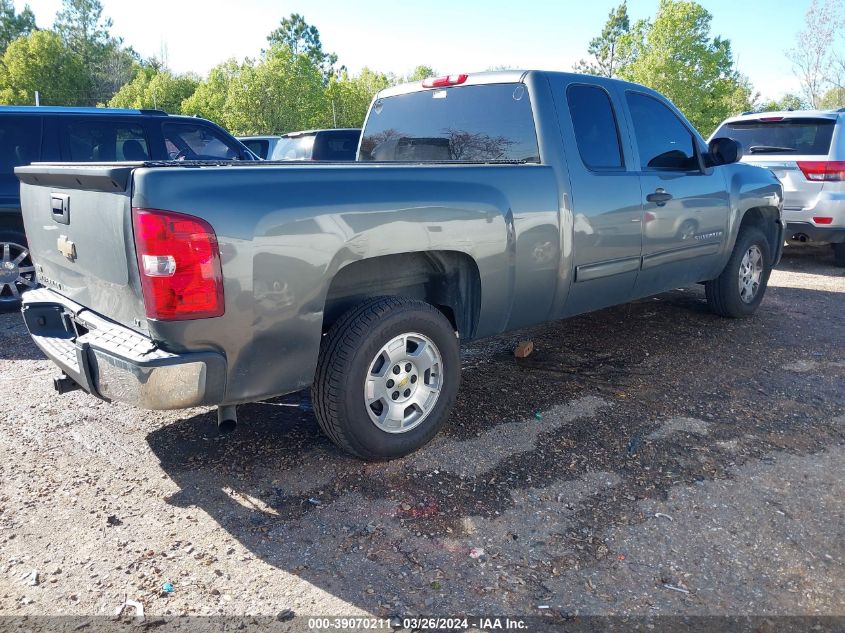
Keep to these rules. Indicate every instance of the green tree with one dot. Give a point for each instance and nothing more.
(12, 24)
(676, 55)
(833, 99)
(608, 53)
(280, 92)
(283, 92)
(349, 98)
(156, 90)
(788, 101)
(419, 73)
(117, 67)
(81, 25)
(813, 57)
(41, 61)
(211, 98)
(299, 37)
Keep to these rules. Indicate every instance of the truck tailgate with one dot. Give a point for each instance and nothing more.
(79, 225)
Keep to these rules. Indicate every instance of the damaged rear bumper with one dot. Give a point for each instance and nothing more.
(116, 363)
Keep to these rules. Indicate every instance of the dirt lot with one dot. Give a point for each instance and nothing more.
(647, 459)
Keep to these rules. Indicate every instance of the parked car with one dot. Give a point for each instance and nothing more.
(331, 145)
(32, 134)
(501, 200)
(261, 146)
(806, 150)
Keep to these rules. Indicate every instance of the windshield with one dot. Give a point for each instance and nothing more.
(294, 148)
(805, 136)
(468, 124)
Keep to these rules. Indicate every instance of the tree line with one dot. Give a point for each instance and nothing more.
(295, 84)
(676, 54)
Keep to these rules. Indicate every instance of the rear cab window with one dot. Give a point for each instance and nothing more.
(468, 124)
(805, 136)
(596, 130)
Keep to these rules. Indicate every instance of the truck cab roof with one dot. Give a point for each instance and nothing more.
(497, 77)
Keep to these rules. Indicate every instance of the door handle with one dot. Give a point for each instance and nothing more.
(660, 196)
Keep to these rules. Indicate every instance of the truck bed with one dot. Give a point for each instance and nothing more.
(285, 230)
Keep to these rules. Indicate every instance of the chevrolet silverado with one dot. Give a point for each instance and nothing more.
(477, 204)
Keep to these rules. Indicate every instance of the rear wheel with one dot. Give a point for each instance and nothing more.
(16, 270)
(387, 377)
(738, 291)
(839, 254)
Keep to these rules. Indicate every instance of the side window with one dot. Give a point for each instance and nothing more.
(596, 131)
(102, 141)
(189, 141)
(20, 144)
(336, 145)
(663, 141)
(258, 146)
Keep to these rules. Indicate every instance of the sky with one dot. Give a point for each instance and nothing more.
(448, 35)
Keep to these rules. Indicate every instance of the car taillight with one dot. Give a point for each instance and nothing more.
(179, 262)
(823, 220)
(442, 82)
(823, 170)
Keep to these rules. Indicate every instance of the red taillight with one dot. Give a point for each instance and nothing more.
(823, 170)
(823, 220)
(771, 118)
(648, 216)
(442, 82)
(179, 262)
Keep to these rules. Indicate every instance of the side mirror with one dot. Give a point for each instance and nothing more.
(723, 151)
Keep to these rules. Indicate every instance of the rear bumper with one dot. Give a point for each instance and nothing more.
(833, 234)
(827, 204)
(113, 362)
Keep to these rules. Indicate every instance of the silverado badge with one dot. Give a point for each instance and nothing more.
(66, 247)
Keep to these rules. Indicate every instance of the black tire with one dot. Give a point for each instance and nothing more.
(839, 254)
(14, 239)
(346, 357)
(723, 293)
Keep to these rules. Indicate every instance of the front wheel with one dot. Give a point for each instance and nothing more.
(387, 377)
(738, 291)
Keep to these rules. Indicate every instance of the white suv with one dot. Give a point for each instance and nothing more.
(806, 150)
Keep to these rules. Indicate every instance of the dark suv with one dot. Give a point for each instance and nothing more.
(31, 134)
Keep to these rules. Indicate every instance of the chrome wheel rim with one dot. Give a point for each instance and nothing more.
(750, 273)
(403, 382)
(16, 272)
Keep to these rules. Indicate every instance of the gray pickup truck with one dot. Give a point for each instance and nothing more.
(478, 204)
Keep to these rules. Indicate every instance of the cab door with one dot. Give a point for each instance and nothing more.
(685, 205)
(606, 201)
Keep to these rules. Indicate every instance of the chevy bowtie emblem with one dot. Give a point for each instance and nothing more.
(66, 247)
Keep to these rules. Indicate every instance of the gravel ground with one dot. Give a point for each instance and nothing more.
(646, 459)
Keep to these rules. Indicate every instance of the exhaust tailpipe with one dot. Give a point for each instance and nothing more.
(227, 418)
(64, 384)
(800, 237)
